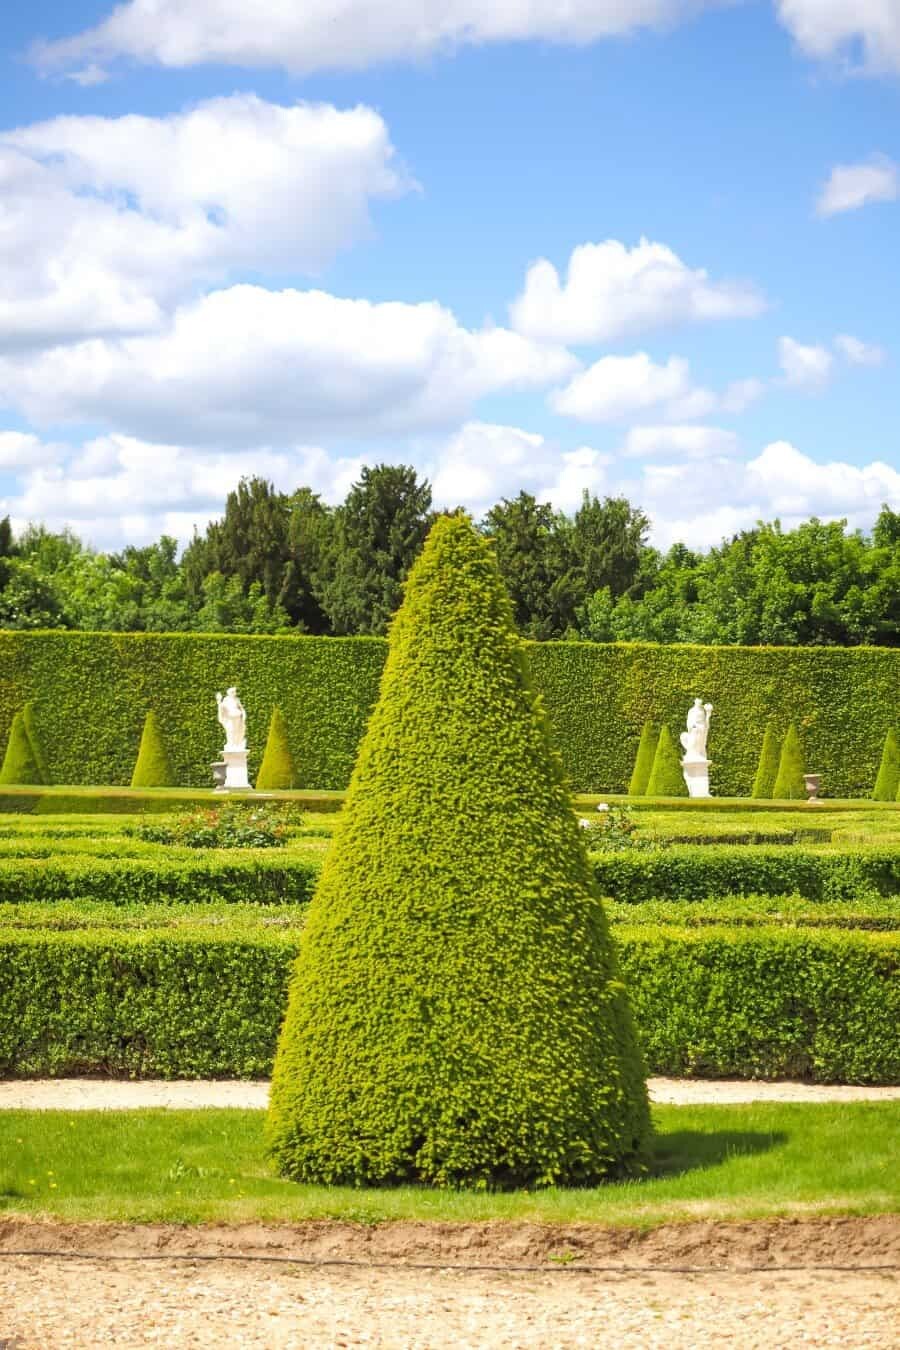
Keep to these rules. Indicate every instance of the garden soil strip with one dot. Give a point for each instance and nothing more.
(109, 1094)
(839, 1244)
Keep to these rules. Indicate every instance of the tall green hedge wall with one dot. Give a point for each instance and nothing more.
(91, 693)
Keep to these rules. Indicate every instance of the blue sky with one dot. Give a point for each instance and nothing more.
(313, 246)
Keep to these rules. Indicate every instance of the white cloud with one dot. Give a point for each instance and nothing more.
(701, 510)
(796, 486)
(680, 442)
(484, 462)
(804, 367)
(118, 489)
(859, 353)
(865, 33)
(612, 291)
(105, 223)
(619, 387)
(22, 450)
(742, 394)
(342, 34)
(852, 186)
(248, 366)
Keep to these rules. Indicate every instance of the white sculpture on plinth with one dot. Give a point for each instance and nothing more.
(233, 718)
(695, 765)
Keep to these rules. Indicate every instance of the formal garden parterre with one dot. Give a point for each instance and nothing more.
(141, 936)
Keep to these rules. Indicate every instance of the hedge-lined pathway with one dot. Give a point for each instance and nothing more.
(106, 1094)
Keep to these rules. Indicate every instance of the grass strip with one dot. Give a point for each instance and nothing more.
(712, 1162)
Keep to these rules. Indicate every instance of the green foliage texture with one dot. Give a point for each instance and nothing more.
(456, 1014)
(887, 784)
(598, 697)
(643, 764)
(767, 770)
(666, 778)
(277, 771)
(152, 768)
(34, 737)
(789, 785)
(205, 997)
(20, 763)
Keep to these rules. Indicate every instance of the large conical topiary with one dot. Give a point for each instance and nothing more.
(767, 769)
(19, 763)
(888, 781)
(277, 769)
(153, 768)
(643, 763)
(789, 783)
(666, 778)
(455, 1014)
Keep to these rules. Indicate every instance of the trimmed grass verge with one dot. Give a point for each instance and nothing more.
(714, 1162)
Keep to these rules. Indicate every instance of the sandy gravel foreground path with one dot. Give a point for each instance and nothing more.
(107, 1094)
(740, 1284)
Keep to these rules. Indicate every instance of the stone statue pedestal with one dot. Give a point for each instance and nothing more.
(236, 779)
(696, 776)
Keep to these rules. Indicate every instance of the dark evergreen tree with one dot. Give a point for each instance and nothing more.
(533, 547)
(372, 542)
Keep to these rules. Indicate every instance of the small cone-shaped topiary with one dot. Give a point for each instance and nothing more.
(887, 784)
(37, 748)
(666, 778)
(456, 1014)
(789, 783)
(767, 770)
(277, 769)
(643, 763)
(152, 768)
(20, 764)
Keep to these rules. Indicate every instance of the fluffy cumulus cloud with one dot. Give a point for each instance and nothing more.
(248, 366)
(804, 367)
(618, 388)
(611, 291)
(852, 186)
(105, 223)
(341, 34)
(703, 509)
(679, 442)
(484, 462)
(116, 489)
(862, 33)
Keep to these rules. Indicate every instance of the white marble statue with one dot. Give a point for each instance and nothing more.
(233, 718)
(694, 739)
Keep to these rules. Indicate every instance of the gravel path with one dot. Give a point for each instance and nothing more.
(54, 1302)
(92, 1094)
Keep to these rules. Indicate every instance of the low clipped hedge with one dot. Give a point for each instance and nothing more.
(819, 1005)
(205, 997)
(58, 871)
(249, 878)
(695, 872)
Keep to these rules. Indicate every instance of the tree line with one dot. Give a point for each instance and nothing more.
(288, 563)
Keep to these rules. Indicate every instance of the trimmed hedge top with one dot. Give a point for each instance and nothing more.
(456, 1014)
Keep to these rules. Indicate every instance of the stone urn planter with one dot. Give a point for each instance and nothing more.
(812, 782)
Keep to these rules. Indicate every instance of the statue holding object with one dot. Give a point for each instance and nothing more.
(233, 720)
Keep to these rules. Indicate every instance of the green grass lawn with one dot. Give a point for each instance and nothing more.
(717, 1162)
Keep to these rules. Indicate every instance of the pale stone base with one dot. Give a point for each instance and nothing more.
(696, 776)
(236, 779)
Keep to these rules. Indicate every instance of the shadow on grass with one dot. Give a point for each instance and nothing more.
(680, 1151)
